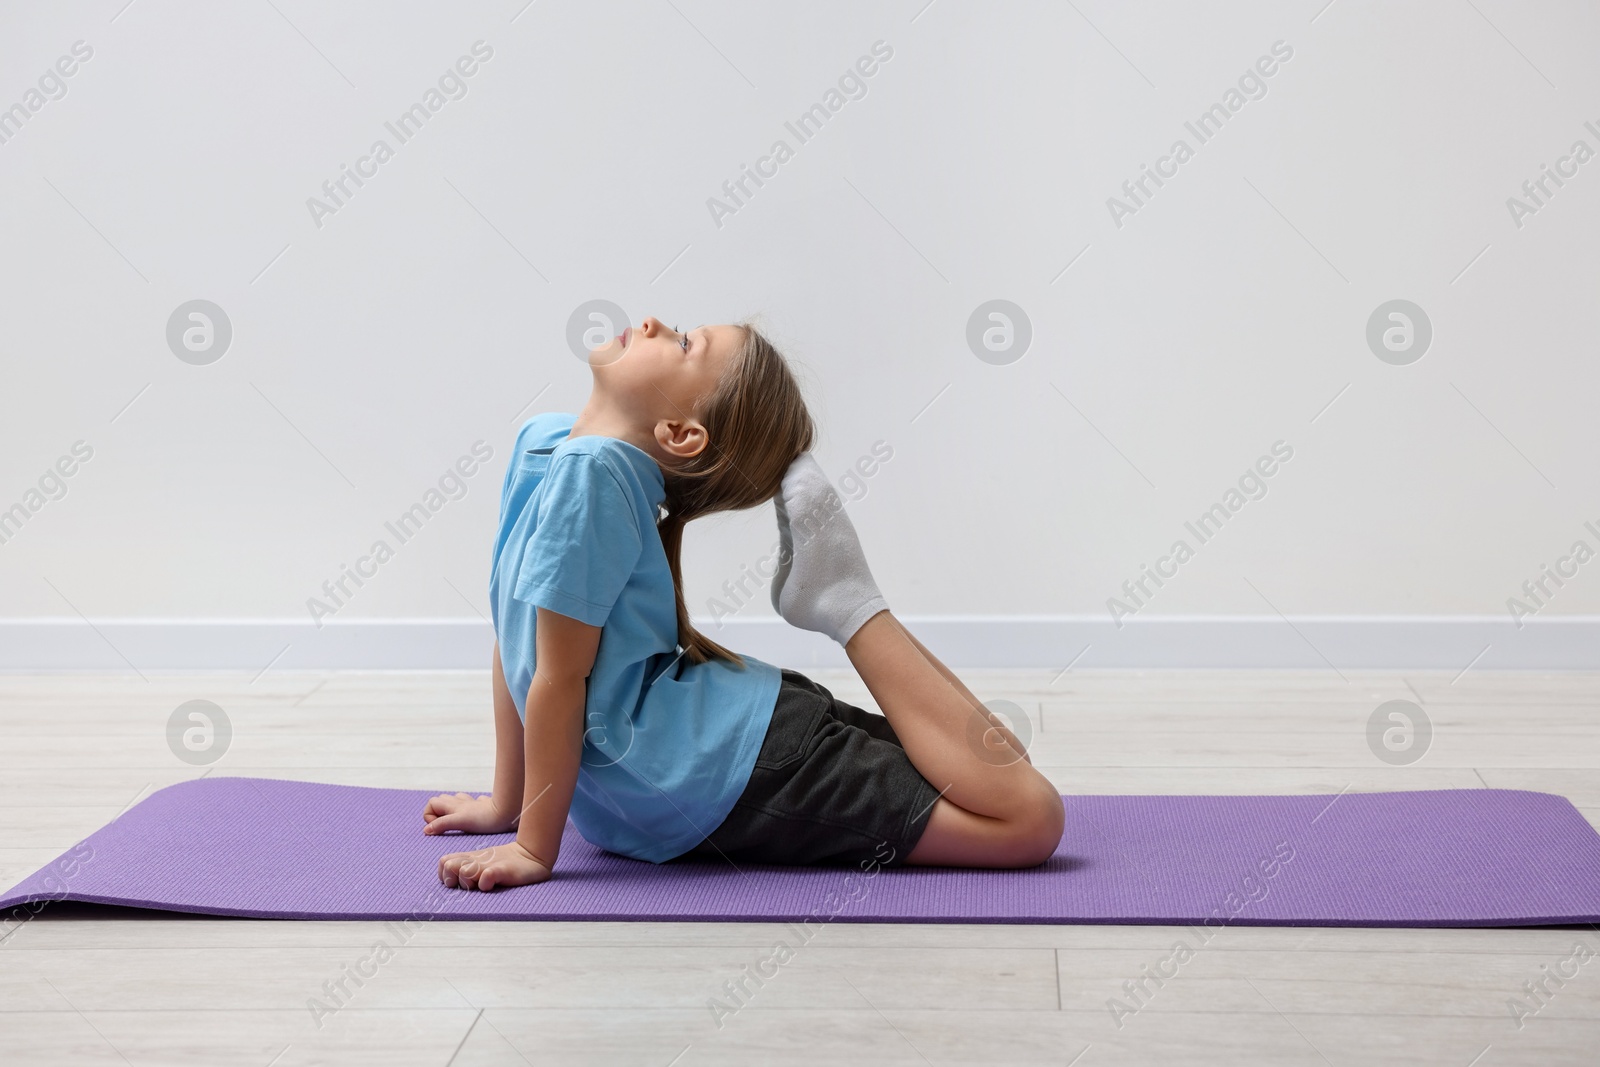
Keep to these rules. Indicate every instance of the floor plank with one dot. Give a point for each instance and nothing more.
(82, 984)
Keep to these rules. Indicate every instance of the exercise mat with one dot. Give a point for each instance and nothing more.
(270, 848)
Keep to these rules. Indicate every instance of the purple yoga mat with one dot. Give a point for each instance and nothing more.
(265, 847)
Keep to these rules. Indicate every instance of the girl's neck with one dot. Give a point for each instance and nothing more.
(598, 419)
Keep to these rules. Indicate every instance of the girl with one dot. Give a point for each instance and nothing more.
(658, 742)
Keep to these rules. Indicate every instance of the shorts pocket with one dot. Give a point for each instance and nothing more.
(795, 719)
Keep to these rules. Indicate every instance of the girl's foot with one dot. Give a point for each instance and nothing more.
(823, 582)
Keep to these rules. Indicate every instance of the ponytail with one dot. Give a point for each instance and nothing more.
(757, 424)
(697, 647)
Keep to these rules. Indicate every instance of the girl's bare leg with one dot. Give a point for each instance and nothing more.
(1001, 732)
(994, 808)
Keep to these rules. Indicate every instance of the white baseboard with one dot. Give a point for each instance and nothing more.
(1048, 642)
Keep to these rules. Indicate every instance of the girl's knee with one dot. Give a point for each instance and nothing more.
(1041, 827)
(1025, 837)
(1031, 833)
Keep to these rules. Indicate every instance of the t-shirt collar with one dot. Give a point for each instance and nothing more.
(655, 482)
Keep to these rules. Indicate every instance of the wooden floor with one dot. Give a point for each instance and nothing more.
(81, 985)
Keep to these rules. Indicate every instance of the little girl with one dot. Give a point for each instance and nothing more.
(658, 742)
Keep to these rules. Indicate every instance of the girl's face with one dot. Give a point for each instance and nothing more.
(655, 372)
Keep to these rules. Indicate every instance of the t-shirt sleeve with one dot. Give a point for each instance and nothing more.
(586, 543)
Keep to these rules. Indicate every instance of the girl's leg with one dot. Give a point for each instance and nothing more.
(994, 808)
(1001, 731)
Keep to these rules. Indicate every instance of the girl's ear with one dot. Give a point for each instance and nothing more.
(684, 438)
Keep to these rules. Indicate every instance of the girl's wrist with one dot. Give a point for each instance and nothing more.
(535, 854)
(506, 813)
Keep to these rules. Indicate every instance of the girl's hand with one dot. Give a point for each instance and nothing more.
(467, 813)
(508, 864)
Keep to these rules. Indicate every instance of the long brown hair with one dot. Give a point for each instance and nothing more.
(758, 423)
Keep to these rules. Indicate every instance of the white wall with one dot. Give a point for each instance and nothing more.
(372, 351)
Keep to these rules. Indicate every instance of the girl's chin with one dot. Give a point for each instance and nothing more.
(605, 355)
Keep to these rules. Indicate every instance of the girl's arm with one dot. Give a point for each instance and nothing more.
(508, 749)
(497, 812)
(552, 748)
(554, 731)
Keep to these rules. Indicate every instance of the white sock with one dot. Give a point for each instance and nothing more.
(823, 582)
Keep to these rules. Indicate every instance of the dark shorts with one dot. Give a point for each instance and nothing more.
(831, 785)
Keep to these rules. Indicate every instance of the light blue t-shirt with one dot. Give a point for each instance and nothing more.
(668, 744)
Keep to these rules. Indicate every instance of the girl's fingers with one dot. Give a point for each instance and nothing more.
(445, 803)
(438, 806)
(460, 811)
(472, 870)
(451, 869)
